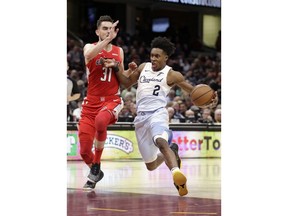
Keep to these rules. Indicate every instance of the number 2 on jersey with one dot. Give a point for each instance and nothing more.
(106, 74)
(156, 90)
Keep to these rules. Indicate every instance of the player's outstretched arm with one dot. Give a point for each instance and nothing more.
(130, 76)
(91, 50)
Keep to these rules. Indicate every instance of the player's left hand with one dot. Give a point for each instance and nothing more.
(132, 66)
(213, 102)
(108, 62)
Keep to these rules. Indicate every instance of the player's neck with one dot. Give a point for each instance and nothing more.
(108, 47)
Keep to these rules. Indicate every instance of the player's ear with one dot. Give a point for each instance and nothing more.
(166, 57)
(96, 32)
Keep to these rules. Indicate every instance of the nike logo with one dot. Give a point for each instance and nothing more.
(114, 54)
(160, 73)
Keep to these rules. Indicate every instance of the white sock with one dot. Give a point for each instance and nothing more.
(175, 169)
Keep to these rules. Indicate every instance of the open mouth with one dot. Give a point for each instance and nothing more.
(154, 66)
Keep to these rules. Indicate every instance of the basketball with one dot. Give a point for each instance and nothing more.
(202, 95)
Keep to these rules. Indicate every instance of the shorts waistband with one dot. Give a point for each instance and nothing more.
(148, 112)
(103, 98)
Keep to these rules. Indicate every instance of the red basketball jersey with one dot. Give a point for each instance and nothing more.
(103, 81)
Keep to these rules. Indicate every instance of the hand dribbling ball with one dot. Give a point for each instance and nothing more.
(202, 95)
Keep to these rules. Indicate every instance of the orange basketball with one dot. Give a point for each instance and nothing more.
(202, 95)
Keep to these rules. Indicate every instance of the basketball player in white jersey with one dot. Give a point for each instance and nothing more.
(155, 79)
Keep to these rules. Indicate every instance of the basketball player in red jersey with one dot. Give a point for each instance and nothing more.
(103, 103)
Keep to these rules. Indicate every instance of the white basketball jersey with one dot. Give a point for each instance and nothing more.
(152, 88)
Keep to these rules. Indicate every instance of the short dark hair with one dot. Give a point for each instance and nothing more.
(163, 43)
(104, 18)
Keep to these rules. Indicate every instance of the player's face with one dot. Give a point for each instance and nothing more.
(104, 29)
(158, 59)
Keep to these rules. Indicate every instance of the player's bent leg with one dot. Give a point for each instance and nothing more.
(156, 163)
(151, 166)
(168, 154)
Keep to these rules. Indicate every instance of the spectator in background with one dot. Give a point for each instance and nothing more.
(188, 101)
(74, 75)
(73, 94)
(75, 57)
(177, 114)
(77, 112)
(81, 87)
(196, 111)
(125, 115)
(217, 116)
(129, 98)
(171, 112)
(131, 89)
(206, 116)
(184, 63)
(182, 108)
(190, 116)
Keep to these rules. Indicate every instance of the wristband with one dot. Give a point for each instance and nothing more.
(116, 68)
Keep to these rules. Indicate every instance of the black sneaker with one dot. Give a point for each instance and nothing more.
(95, 174)
(174, 148)
(89, 185)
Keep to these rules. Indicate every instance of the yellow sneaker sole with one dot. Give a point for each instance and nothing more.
(180, 183)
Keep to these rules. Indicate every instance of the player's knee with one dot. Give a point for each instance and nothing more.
(151, 166)
(164, 137)
(160, 143)
(102, 121)
(100, 125)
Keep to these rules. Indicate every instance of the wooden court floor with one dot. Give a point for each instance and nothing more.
(129, 189)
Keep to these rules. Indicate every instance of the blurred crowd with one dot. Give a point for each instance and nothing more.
(196, 66)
